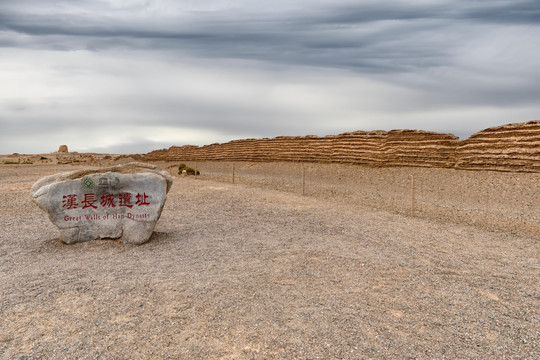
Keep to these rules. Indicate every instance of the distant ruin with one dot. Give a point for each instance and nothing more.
(512, 147)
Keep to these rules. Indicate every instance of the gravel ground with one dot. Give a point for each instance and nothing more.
(238, 272)
(499, 201)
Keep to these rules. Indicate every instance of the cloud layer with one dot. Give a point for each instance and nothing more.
(132, 76)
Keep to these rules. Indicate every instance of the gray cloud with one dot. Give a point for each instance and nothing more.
(366, 38)
(502, 12)
(246, 68)
(311, 37)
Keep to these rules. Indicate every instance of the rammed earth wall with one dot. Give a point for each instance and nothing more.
(513, 147)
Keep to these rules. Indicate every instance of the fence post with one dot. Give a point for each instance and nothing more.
(412, 194)
(303, 179)
(196, 167)
(233, 172)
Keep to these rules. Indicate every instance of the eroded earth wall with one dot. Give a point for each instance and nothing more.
(513, 147)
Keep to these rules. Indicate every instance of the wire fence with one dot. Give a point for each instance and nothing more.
(496, 200)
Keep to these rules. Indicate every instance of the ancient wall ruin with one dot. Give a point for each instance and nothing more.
(513, 147)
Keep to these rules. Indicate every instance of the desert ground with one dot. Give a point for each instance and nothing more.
(243, 271)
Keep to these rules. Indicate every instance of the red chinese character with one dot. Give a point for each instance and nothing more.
(141, 199)
(107, 201)
(70, 202)
(89, 200)
(125, 200)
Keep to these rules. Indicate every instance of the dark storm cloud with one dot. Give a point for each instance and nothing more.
(374, 36)
(519, 12)
(511, 12)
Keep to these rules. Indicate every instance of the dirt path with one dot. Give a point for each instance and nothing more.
(236, 272)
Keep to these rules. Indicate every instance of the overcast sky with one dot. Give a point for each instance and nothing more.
(133, 76)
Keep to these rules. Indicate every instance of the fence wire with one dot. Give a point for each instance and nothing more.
(503, 201)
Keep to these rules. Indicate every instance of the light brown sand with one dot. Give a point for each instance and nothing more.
(500, 201)
(240, 272)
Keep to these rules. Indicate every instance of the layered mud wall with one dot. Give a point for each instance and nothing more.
(513, 147)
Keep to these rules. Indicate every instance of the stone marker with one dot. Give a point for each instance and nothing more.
(120, 202)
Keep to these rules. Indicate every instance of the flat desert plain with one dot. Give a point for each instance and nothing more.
(239, 272)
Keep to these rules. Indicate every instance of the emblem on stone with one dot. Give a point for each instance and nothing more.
(121, 202)
(88, 182)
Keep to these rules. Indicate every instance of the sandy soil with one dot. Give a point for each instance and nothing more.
(499, 201)
(239, 272)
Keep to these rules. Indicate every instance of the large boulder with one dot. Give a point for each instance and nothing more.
(63, 149)
(120, 202)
